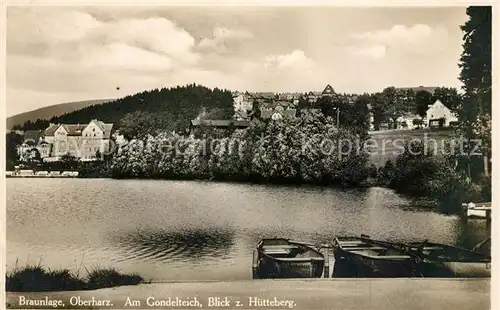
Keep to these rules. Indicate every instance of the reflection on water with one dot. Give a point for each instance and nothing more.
(185, 245)
(171, 230)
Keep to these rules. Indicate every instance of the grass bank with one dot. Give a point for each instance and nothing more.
(390, 144)
(35, 278)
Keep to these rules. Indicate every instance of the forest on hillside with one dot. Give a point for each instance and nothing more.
(148, 112)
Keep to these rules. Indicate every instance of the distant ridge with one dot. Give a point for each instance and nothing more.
(51, 111)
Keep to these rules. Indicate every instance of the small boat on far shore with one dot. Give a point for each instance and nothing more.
(478, 210)
(282, 258)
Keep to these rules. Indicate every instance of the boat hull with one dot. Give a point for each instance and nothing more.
(477, 213)
(269, 268)
(362, 266)
(366, 259)
(441, 260)
(456, 269)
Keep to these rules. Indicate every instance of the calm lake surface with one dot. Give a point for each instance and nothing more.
(176, 230)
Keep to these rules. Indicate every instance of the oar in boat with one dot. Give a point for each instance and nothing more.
(397, 245)
(480, 244)
(315, 245)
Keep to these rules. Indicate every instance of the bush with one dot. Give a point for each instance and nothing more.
(419, 173)
(38, 279)
(101, 278)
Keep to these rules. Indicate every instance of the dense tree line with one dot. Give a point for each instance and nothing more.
(276, 151)
(39, 124)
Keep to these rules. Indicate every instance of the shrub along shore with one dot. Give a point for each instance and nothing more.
(35, 278)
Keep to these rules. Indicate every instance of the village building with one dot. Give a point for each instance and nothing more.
(312, 97)
(278, 110)
(408, 121)
(243, 102)
(439, 115)
(83, 141)
(198, 127)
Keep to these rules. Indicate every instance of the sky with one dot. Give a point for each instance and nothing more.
(66, 54)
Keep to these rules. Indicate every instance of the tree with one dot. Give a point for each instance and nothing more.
(422, 100)
(12, 157)
(475, 61)
(379, 110)
(69, 161)
(256, 109)
(449, 96)
(394, 103)
(216, 113)
(417, 122)
(360, 115)
(328, 106)
(302, 105)
(136, 124)
(475, 64)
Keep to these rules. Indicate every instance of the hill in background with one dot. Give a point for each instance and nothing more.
(147, 112)
(51, 111)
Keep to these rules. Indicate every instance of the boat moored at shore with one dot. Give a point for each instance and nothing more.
(371, 258)
(442, 260)
(282, 258)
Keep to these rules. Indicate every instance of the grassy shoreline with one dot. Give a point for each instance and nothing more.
(35, 278)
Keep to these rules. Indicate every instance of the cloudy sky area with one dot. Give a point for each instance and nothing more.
(57, 55)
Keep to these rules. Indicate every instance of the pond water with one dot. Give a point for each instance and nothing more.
(189, 230)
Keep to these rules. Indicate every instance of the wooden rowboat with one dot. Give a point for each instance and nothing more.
(442, 260)
(366, 257)
(282, 258)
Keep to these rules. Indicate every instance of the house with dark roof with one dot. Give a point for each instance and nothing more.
(199, 126)
(34, 143)
(328, 91)
(33, 135)
(278, 110)
(312, 97)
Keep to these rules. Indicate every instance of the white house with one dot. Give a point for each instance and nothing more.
(407, 121)
(438, 111)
